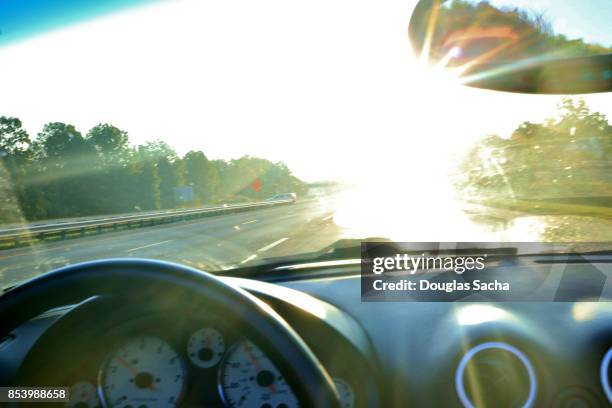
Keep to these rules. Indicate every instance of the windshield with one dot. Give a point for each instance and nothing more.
(300, 124)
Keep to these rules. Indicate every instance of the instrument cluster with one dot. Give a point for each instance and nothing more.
(208, 367)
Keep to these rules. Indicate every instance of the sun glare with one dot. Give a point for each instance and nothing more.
(407, 183)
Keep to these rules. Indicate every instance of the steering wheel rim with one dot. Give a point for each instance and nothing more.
(74, 283)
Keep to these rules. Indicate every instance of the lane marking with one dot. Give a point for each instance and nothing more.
(148, 246)
(272, 245)
(92, 239)
(250, 258)
(249, 222)
(329, 217)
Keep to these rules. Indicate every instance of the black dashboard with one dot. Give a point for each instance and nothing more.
(387, 354)
(119, 353)
(520, 354)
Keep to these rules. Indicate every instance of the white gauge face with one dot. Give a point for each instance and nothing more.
(83, 394)
(206, 347)
(346, 393)
(250, 379)
(145, 371)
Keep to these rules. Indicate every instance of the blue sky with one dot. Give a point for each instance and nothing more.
(23, 18)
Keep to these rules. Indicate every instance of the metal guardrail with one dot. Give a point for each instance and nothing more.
(14, 237)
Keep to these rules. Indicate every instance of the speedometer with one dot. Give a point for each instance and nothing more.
(143, 372)
(250, 379)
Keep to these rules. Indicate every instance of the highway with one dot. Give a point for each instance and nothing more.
(222, 242)
(214, 243)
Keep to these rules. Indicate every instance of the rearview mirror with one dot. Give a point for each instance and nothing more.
(526, 46)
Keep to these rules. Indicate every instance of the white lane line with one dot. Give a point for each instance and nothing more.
(147, 246)
(272, 245)
(250, 258)
(329, 217)
(249, 222)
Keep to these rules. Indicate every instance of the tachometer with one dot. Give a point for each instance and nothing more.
(205, 347)
(250, 379)
(345, 391)
(145, 371)
(83, 394)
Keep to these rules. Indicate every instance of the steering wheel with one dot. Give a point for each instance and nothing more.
(149, 279)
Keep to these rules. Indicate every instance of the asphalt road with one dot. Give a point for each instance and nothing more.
(222, 242)
(214, 243)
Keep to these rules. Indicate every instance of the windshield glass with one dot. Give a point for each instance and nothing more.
(226, 134)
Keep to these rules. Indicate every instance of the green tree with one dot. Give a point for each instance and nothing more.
(63, 172)
(112, 176)
(201, 174)
(170, 177)
(237, 177)
(146, 181)
(565, 159)
(14, 140)
(15, 154)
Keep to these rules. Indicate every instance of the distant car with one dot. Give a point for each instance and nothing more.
(284, 197)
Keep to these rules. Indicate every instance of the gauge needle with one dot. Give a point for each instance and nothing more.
(253, 361)
(272, 388)
(132, 370)
(251, 357)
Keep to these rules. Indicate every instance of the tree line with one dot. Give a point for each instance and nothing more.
(536, 33)
(64, 173)
(567, 159)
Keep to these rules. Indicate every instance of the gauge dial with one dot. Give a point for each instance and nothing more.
(145, 371)
(346, 393)
(250, 379)
(83, 394)
(205, 347)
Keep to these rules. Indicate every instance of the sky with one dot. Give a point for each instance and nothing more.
(20, 19)
(329, 87)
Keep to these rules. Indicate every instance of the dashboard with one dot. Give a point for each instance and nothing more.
(485, 354)
(204, 363)
(521, 354)
(124, 354)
